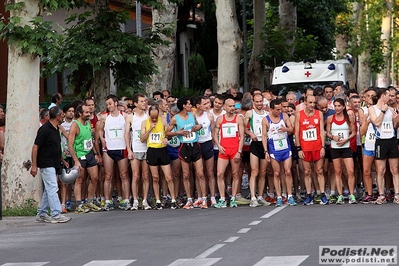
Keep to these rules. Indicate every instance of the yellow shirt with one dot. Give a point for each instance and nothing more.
(157, 134)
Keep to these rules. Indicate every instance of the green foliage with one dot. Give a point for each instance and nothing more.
(28, 208)
(198, 76)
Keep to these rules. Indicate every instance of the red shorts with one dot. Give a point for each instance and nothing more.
(311, 156)
(229, 153)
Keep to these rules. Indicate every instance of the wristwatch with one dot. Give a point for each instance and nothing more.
(239, 151)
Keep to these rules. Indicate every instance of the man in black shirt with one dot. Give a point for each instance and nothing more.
(47, 155)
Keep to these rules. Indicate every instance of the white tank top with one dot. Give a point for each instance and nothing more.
(342, 131)
(204, 134)
(64, 141)
(215, 117)
(369, 138)
(137, 145)
(256, 123)
(115, 132)
(385, 130)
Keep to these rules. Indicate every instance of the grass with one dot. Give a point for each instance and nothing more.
(28, 208)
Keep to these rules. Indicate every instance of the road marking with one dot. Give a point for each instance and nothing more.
(195, 262)
(209, 251)
(273, 212)
(109, 262)
(231, 239)
(255, 223)
(281, 261)
(243, 230)
(25, 264)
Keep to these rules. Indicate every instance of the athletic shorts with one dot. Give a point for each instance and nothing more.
(245, 156)
(157, 156)
(368, 153)
(257, 149)
(117, 155)
(281, 156)
(141, 156)
(173, 153)
(215, 154)
(328, 154)
(229, 153)
(207, 150)
(190, 152)
(88, 160)
(358, 153)
(311, 156)
(341, 153)
(386, 148)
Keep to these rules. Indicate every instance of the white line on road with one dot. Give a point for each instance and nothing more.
(255, 223)
(281, 261)
(25, 264)
(209, 251)
(195, 262)
(231, 239)
(243, 230)
(273, 212)
(109, 262)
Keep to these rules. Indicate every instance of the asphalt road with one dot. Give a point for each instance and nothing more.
(241, 236)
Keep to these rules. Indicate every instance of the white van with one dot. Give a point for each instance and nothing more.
(296, 76)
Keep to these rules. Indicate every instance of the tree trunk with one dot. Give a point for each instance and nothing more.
(342, 44)
(102, 87)
(22, 120)
(383, 76)
(229, 45)
(288, 21)
(164, 54)
(256, 68)
(363, 62)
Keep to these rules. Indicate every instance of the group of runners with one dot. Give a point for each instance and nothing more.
(199, 152)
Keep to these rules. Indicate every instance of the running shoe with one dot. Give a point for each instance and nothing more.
(254, 203)
(291, 201)
(308, 201)
(240, 200)
(158, 206)
(396, 199)
(81, 209)
(333, 199)
(233, 203)
(204, 206)
(221, 204)
(270, 200)
(174, 205)
(107, 206)
(381, 200)
(285, 200)
(164, 202)
(352, 199)
(122, 204)
(323, 200)
(92, 207)
(43, 218)
(68, 205)
(197, 203)
(102, 203)
(345, 194)
(189, 205)
(64, 210)
(135, 206)
(60, 219)
(263, 202)
(340, 200)
(213, 202)
(318, 198)
(146, 206)
(279, 202)
(367, 199)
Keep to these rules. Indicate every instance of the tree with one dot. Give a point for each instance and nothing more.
(288, 21)
(164, 54)
(229, 45)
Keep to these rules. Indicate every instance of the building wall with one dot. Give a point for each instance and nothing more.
(3, 64)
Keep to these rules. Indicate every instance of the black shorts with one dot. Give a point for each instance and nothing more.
(215, 154)
(341, 153)
(257, 149)
(88, 160)
(157, 156)
(245, 156)
(358, 153)
(327, 156)
(207, 150)
(117, 155)
(386, 148)
(190, 152)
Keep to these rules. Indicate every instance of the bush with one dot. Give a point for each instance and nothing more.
(28, 208)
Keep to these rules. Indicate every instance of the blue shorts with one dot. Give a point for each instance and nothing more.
(368, 153)
(173, 153)
(281, 156)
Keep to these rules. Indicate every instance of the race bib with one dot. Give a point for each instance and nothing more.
(341, 134)
(229, 130)
(247, 140)
(88, 144)
(280, 144)
(136, 134)
(370, 137)
(174, 142)
(189, 137)
(155, 138)
(309, 135)
(116, 133)
(387, 126)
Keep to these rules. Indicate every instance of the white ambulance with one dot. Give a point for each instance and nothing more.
(296, 76)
